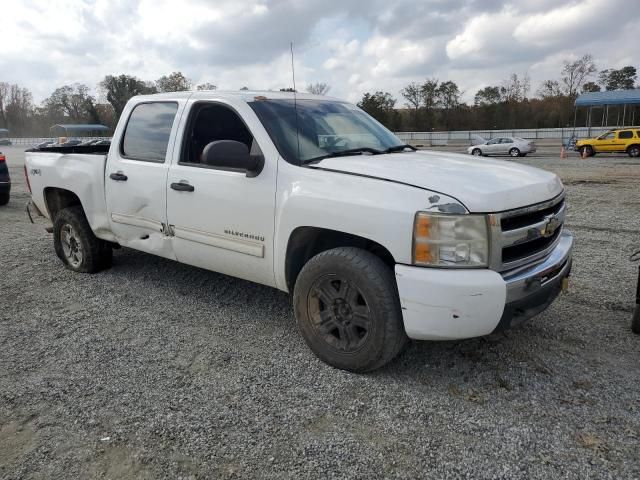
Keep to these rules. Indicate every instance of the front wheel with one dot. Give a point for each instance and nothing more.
(634, 151)
(348, 310)
(587, 151)
(76, 245)
(476, 152)
(514, 152)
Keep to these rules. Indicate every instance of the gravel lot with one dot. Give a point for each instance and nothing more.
(158, 370)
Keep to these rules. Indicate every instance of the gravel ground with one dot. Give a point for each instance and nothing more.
(158, 370)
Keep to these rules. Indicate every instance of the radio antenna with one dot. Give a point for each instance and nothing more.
(295, 99)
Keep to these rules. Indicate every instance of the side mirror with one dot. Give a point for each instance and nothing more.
(232, 155)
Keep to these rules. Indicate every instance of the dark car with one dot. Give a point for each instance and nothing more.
(5, 181)
(5, 141)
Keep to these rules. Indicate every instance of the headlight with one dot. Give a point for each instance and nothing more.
(442, 240)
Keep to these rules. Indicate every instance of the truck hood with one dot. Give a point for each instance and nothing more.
(483, 185)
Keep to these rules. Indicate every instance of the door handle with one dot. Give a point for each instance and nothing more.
(182, 187)
(118, 177)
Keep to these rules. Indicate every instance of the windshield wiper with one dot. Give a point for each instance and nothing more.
(345, 153)
(400, 148)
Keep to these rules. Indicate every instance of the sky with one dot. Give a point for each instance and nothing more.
(353, 45)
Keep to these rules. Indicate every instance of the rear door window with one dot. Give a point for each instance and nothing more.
(146, 136)
(625, 134)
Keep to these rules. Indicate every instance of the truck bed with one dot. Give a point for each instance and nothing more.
(78, 170)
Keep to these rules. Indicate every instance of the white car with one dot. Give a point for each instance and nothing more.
(377, 242)
(512, 146)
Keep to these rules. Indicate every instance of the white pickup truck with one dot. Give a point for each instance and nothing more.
(377, 242)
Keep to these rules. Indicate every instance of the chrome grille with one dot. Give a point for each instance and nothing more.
(526, 235)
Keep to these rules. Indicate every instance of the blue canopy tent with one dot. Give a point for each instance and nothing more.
(78, 130)
(624, 102)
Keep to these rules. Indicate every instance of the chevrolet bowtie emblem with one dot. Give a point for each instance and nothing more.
(550, 227)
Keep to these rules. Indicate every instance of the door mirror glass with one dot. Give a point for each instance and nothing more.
(234, 155)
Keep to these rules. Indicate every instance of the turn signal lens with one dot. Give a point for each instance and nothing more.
(422, 253)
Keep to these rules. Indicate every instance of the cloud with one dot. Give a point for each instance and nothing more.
(354, 45)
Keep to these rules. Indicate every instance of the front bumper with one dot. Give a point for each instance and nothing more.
(444, 304)
(5, 187)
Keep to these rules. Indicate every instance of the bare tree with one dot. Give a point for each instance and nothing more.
(318, 88)
(515, 88)
(549, 89)
(412, 93)
(575, 74)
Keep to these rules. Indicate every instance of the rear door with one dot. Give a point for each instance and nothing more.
(625, 138)
(505, 145)
(136, 176)
(221, 219)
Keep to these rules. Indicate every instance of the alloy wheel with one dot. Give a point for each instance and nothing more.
(339, 312)
(71, 245)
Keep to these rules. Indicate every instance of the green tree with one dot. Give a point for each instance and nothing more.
(174, 82)
(119, 89)
(621, 79)
(380, 105)
(487, 96)
(206, 86)
(590, 87)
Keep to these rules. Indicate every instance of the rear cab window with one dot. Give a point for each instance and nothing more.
(146, 136)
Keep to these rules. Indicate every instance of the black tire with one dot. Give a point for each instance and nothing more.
(587, 151)
(4, 198)
(635, 321)
(331, 288)
(634, 151)
(523, 154)
(514, 152)
(476, 152)
(76, 245)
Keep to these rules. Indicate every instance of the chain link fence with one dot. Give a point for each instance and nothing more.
(563, 135)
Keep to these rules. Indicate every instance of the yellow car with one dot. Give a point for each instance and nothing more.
(624, 140)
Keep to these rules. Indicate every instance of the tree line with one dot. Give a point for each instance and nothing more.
(437, 105)
(430, 105)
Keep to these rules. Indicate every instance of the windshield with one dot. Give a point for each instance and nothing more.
(322, 128)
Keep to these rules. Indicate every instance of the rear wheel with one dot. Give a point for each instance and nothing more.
(76, 245)
(514, 152)
(635, 321)
(348, 310)
(476, 152)
(634, 151)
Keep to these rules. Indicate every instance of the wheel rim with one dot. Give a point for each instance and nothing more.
(477, 152)
(514, 153)
(71, 245)
(339, 313)
(635, 152)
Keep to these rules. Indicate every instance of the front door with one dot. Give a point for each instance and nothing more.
(136, 177)
(221, 219)
(606, 143)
